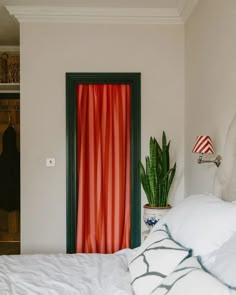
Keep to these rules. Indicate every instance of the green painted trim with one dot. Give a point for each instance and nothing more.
(71, 171)
(73, 79)
(135, 158)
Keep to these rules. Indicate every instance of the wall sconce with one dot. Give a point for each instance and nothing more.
(204, 145)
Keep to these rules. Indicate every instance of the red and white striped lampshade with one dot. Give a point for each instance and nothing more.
(203, 145)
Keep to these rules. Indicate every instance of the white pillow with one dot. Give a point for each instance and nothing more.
(222, 262)
(190, 279)
(157, 257)
(201, 222)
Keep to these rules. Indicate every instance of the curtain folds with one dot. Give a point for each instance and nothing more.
(103, 153)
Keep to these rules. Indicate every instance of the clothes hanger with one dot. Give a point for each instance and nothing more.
(9, 116)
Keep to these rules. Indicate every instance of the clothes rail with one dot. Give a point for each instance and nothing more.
(12, 109)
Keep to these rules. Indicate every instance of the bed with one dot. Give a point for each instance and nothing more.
(192, 251)
(177, 258)
(62, 274)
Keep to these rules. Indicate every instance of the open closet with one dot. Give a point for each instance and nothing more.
(9, 153)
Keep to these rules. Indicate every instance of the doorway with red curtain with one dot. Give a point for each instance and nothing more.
(103, 150)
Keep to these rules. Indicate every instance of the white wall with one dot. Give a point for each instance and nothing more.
(210, 84)
(50, 50)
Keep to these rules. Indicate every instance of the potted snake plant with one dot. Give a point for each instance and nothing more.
(156, 180)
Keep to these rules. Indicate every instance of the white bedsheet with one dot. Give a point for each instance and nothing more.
(61, 274)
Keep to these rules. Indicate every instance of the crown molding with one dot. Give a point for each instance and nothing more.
(95, 15)
(186, 9)
(104, 15)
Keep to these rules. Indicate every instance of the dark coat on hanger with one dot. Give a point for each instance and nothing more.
(10, 172)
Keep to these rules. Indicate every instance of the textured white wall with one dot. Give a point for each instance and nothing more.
(210, 84)
(50, 50)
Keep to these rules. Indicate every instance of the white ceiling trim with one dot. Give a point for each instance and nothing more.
(187, 9)
(95, 15)
(103, 15)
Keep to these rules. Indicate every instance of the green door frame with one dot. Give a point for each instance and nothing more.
(72, 80)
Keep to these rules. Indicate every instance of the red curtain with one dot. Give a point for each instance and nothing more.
(103, 153)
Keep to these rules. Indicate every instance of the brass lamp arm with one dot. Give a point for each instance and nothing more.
(217, 160)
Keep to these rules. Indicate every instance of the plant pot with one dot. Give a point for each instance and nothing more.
(151, 215)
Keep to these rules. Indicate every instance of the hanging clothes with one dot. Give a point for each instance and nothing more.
(10, 172)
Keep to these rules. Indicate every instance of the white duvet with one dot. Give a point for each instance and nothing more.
(64, 274)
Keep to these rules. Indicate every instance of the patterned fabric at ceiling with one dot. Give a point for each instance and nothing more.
(103, 153)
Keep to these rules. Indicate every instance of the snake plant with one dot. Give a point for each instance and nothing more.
(157, 178)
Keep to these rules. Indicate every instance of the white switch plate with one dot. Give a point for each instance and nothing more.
(50, 162)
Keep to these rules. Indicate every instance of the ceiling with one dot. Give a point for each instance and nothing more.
(9, 26)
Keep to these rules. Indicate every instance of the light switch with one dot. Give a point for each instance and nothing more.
(50, 162)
